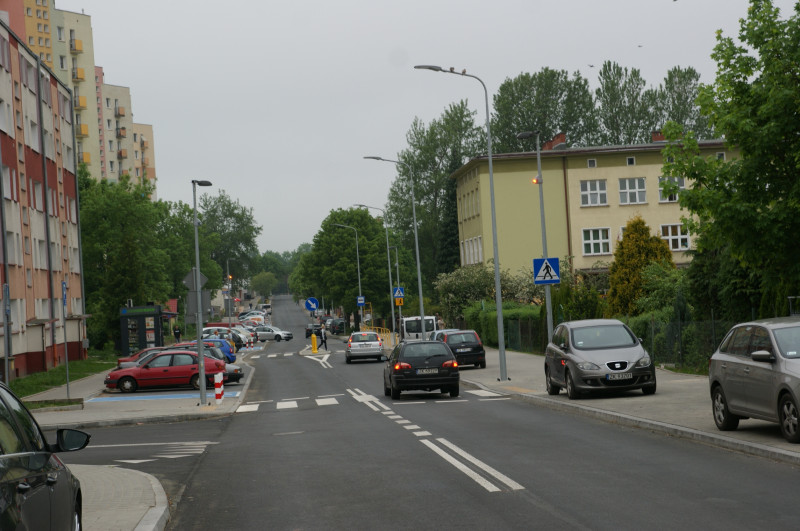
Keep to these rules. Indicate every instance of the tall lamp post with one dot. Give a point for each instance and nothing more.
(523, 136)
(358, 264)
(388, 260)
(498, 296)
(416, 237)
(201, 362)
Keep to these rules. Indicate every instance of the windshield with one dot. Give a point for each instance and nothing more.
(788, 340)
(603, 336)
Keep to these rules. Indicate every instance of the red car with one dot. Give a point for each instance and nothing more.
(170, 369)
(140, 354)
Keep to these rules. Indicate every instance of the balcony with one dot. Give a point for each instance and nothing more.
(84, 157)
(82, 130)
(145, 144)
(122, 154)
(145, 162)
(79, 102)
(75, 46)
(78, 74)
(122, 132)
(119, 111)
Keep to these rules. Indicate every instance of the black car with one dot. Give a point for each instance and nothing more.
(421, 365)
(467, 346)
(312, 329)
(337, 327)
(37, 490)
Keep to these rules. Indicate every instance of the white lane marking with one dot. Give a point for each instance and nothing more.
(260, 401)
(404, 421)
(406, 403)
(288, 354)
(188, 443)
(449, 401)
(393, 417)
(483, 466)
(288, 404)
(171, 456)
(322, 360)
(463, 468)
(272, 355)
(422, 433)
(246, 408)
(336, 394)
(388, 412)
(494, 399)
(290, 433)
(133, 461)
(326, 401)
(482, 392)
(412, 427)
(295, 398)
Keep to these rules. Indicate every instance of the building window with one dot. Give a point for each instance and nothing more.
(108, 104)
(60, 32)
(29, 12)
(676, 237)
(111, 165)
(631, 161)
(596, 241)
(591, 163)
(30, 41)
(721, 156)
(631, 191)
(671, 198)
(593, 193)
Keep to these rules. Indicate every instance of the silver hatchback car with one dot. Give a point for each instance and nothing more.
(363, 345)
(755, 373)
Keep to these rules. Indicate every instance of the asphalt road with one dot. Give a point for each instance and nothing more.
(316, 445)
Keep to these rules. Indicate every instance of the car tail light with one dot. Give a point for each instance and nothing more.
(563, 363)
(400, 365)
(450, 363)
(349, 344)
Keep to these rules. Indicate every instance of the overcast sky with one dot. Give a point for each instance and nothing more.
(277, 102)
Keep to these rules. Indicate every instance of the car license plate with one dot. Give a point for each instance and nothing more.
(428, 371)
(619, 376)
(463, 349)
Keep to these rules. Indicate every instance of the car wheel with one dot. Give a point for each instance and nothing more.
(386, 390)
(790, 424)
(649, 389)
(278, 338)
(724, 419)
(395, 392)
(347, 359)
(483, 364)
(127, 385)
(454, 390)
(194, 381)
(572, 393)
(552, 389)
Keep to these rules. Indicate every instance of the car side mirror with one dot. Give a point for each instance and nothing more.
(762, 355)
(68, 440)
(384, 358)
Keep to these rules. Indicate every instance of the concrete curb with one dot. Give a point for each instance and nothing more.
(156, 518)
(682, 432)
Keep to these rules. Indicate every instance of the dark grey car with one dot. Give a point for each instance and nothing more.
(755, 373)
(594, 355)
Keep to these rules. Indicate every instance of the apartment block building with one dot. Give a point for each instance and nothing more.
(589, 196)
(43, 320)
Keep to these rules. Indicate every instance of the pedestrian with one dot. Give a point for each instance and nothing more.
(323, 337)
(439, 322)
(177, 333)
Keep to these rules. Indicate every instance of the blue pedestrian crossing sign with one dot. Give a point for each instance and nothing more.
(545, 271)
(399, 293)
(312, 304)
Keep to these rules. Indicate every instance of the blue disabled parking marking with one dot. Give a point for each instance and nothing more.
(232, 394)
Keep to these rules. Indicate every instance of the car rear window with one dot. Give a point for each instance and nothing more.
(360, 338)
(462, 337)
(423, 350)
(604, 336)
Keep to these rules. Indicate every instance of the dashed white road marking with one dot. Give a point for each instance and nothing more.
(422, 433)
(481, 392)
(289, 404)
(412, 427)
(246, 408)
(326, 401)
(513, 485)
(134, 461)
(491, 487)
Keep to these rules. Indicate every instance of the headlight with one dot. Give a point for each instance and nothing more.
(643, 362)
(587, 366)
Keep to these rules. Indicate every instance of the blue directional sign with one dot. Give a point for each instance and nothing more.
(399, 293)
(312, 304)
(360, 300)
(64, 293)
(545, 271)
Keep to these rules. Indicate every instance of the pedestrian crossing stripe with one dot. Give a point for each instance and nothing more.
(546, 271)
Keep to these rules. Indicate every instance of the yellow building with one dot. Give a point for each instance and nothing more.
(589, 194)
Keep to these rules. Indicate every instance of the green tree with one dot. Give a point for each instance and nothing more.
(677, 99)
(236, 250)
(627, 111)
(434, 153)
(662, 285)
(636, 251)
(750, 205)
(263, 283)
(547, 101)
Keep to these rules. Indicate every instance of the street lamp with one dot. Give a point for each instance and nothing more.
(416, 238)
(201, 362)
(498, 296)
(358, 264)
(388, 260)
(523, 136)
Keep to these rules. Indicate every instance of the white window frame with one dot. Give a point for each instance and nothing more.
(673, 198)
(639, 193)
(630, 161)
(676, 236)
(598, 240)
(594, 192)
(591, 163)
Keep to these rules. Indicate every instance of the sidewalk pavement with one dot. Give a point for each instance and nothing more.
(681, 407)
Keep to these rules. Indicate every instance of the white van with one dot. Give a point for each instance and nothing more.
(412, 327)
